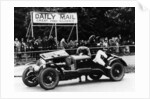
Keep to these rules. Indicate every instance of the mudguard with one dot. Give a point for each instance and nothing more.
(116, 59)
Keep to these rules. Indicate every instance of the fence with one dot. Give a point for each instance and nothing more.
(21, 58)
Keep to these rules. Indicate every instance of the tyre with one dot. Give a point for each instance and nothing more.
(48, 78)
(95, 76)
(117, 71)
(29, 78)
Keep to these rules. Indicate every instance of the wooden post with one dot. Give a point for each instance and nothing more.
(27, 34)
(56, 35)
(51, 31)
(77, 33)
(70, 33)
(31, 24)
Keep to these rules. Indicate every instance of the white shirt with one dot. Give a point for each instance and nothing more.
(98, 58)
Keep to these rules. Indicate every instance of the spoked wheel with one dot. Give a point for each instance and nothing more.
(48, 78)
(117, 71)
(95, 76)
(29, 78)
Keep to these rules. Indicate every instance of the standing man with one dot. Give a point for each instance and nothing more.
(17, 45)
(83, 50)
(23, 45)
(63, 44)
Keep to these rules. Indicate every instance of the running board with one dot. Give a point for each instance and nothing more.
(85, 70)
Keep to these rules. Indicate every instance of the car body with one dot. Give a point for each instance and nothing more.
(56, 66)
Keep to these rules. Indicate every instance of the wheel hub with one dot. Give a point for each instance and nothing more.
(117, 71)
(49, 78)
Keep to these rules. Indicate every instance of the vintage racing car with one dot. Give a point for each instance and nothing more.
(56, 66)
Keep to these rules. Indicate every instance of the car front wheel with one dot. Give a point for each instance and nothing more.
(29, 77)
(48, 78)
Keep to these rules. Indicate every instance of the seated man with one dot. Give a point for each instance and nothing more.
(99, 58)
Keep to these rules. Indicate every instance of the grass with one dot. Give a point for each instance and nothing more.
(130, 69)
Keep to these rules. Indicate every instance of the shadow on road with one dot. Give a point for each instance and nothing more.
(84, 82)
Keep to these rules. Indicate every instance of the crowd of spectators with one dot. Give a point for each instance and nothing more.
(32, 44)
(50, 43)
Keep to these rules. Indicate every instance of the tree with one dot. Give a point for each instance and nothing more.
(121, 21)
(101, 21)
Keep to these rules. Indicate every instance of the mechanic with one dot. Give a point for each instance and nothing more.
(100, 57)
(83, 50)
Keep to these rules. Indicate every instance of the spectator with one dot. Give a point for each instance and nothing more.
(16, 43)
(117, 46)
(127, 49)
(29, 44)
(76, 43)
(45, 43)
(63, 43)
(97, 39)
(110, 42)
(17, 46)
(91, 41)
(52, 43)
(82, 43)
(39, 43)
(71, 44)
(105, 42)
(23, 45)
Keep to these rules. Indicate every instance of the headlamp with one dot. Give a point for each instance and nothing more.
(40, 62)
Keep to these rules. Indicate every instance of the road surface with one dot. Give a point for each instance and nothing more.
(103, 85)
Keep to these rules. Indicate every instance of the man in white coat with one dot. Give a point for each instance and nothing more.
(99, 58)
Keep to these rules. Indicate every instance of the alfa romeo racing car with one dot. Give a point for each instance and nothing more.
(56, 66)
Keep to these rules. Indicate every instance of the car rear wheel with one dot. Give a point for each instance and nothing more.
(29, 77)
(95, 76)
(48, 78)
(117, 71)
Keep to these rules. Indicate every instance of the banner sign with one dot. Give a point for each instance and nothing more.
(51, 17)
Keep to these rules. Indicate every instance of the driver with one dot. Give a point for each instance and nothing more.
(100, 56)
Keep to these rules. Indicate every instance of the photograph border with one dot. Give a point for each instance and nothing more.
(55, 94)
